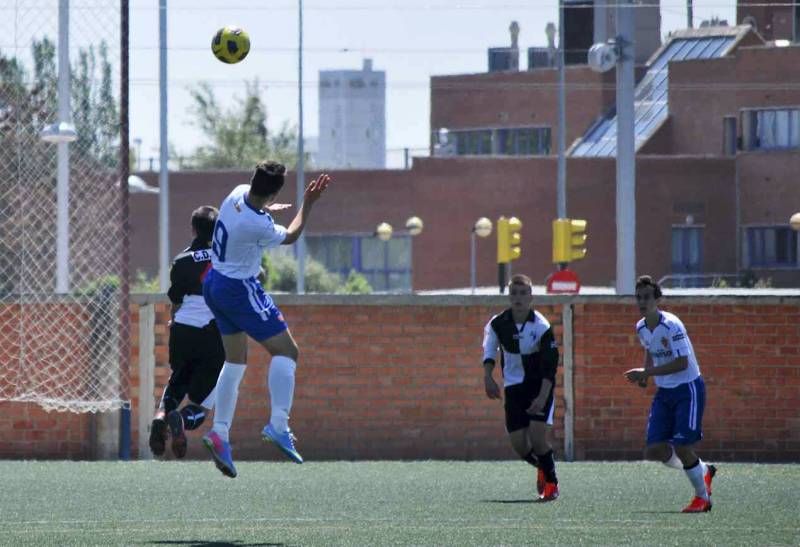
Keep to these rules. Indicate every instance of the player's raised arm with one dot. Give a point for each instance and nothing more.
(313, 192)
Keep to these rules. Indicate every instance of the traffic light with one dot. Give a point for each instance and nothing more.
(569, 240)
(508, 239)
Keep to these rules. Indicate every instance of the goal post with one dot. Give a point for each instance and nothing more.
(64, 281)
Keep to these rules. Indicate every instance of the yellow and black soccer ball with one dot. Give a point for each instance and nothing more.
(231, 44)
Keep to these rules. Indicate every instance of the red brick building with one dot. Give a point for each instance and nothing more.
(717, 161)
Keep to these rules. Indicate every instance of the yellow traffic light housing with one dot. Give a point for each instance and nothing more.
(569, 240)
(508, 239)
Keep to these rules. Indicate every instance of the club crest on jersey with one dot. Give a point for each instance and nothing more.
(665, 342)
(201, 256)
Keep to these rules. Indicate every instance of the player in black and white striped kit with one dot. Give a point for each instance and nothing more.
(196, 354)
(529, 358)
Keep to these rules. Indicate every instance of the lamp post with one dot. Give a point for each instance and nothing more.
(384, 232)
(300, 244)
(62, 133)
(137, 142)
(561, 183)
(482, 228)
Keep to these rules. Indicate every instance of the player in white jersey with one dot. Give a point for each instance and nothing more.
(244, 230)
(675, 423)
(529, 359)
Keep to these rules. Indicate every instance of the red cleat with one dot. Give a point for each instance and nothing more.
(549, 493)
(698, 505)
(540, 481)
(709, 476)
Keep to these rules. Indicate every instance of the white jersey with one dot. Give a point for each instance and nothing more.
(665, 343)
(241, 235)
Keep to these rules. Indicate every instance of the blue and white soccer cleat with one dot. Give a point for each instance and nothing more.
(221, 452)
(284, 441)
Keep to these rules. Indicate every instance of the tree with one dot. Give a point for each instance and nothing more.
(238, 136)
(281, 272)
(28, 102)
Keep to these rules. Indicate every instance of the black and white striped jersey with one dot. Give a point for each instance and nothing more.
(528, 349)
(186, 284)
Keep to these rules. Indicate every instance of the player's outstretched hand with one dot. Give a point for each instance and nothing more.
(492, 389)
(316, 187)
(278, 207)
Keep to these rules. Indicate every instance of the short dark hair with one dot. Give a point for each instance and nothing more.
(521, 279)
(267, 179)
(203, 219)
(647, 281)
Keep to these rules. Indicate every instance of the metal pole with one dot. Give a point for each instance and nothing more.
(689, 14)
(163, 175)
(561, 205)
(62, 174)
(301, 241)
(626, 153)
(569, 392)
(124, 171)
(472, 267)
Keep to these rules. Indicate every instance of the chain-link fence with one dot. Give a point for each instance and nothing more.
(62, 335)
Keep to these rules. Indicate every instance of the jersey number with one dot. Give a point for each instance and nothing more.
(220, 240)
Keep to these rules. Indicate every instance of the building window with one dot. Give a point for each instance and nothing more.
(519, 141)
(687, 249)
(473, 143)
(774, 129)
(525, 141)
(385, 264)
(770, 247)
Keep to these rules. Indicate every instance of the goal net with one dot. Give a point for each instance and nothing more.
(62, 335)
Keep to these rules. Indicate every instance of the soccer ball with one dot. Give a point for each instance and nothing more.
(230, 44)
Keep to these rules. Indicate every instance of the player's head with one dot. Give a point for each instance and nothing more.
(648, 294)
(203, 219)
(520, 289)
(267, 180)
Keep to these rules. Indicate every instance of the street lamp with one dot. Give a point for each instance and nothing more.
(384, 231)
(794, 222)
(482, 228)
(414, 226)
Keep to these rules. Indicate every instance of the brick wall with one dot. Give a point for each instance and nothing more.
(399, 378)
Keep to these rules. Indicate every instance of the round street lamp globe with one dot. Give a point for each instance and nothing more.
(384, 231)
(794, 222)
(414, 226)
(483, 227)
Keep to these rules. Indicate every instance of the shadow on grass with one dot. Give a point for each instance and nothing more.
(510, 501)
(196, 543)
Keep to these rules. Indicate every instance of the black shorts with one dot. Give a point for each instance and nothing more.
(196, 356)
(518, 399)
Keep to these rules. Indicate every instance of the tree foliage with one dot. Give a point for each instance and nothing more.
(238, 136)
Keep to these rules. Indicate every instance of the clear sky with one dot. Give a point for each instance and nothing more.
(410, 39)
